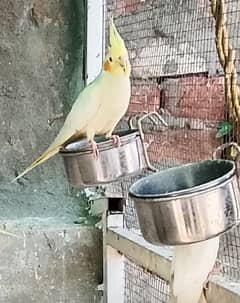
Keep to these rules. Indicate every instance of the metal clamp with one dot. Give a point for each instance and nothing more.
(151, 116)
(138, 115)
(223, 147)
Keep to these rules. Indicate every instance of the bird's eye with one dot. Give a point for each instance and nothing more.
(110, 59)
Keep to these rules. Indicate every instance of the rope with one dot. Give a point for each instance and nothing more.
(226, 57)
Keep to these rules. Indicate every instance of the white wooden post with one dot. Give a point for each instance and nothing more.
(115, 276)
(112, 260)
(114, 266)
(95, 38)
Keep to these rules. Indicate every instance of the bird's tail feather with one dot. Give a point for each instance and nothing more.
(50, 152)
(64, 135)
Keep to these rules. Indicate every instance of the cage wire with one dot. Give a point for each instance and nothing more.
(177, 71)
(140, 283)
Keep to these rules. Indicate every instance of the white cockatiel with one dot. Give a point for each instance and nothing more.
(191, 266)
(100, 106)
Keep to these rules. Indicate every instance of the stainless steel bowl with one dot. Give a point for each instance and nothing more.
(113, 163)
(188, 203)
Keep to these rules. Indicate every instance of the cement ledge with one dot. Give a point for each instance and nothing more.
(158, 260)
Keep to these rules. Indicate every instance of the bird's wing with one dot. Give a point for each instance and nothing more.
(81, 114)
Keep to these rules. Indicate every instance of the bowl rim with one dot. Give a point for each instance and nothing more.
(127, 136)
(185, 192)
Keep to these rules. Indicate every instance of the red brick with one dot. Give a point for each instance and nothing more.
(145, 97)
(195, 97)
(120, 7)
(127, 6)
(181, 145)
(135, 108)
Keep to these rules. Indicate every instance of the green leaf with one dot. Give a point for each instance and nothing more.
(224, 128)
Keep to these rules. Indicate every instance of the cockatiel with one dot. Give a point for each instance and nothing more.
(100, 106)
(191, 266)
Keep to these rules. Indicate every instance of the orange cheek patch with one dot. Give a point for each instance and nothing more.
(106, 66)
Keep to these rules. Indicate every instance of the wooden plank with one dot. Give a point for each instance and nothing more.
(155, 259)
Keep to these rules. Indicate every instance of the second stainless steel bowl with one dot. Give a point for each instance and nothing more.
(188, 203)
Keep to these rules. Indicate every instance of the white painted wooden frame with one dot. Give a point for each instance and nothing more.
(113, 265)
(95, 38)
(113, 271)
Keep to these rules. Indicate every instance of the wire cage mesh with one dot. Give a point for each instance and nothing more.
(140, 283)
(177, 71)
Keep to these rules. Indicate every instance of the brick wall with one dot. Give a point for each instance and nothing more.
(181, 145)
(145, 97)
(197, 97)
(193, 105)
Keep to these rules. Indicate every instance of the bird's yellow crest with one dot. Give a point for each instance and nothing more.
(116, 46)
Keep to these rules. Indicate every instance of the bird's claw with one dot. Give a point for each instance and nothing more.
(95, 149)
(116, 140)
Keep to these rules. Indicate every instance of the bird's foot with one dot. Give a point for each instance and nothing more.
(95, 149)
(115, 140)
